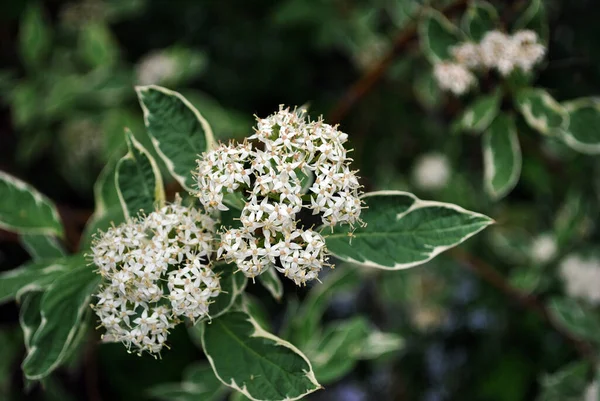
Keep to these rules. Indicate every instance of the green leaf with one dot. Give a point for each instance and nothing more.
(501, 157)
(403, 231)
(178, 131)
(305, 321)
(97, 46)
(254, 362)
(271, 281)
(534, 18)
(379, 343)
(30, 315)
(63, 306)
(335, 353)
(567, 384)
(42, 246)
(480, 18)
(437, 35)
(138, 180)
(35, 36)
(480, 114)
(575, 318)
(583, 131)
(30, 276)
(541, 111)
(25, 210)
(526, 279)
(199, 383)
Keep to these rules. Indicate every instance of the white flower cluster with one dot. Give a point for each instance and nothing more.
(155, 270)
(155, 68)
(543, 248)
(496, 50)
(582, 277)
(275, 175)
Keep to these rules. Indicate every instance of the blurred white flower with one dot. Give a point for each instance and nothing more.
(591, 393)
(432, 171)
(543, 248)
(453, 77)
(582, 277)
(155, 68)
(467, 54)
(505, 53)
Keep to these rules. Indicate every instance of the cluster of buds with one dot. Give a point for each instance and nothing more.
(155, 270)
(292, 169)
(582, 277)
(497, 50)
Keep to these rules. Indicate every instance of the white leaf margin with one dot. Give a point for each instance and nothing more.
(261, 333)
(541, 123)
(489, 168)
(417, 204)
(159, 190)
(568, 138)
(38, 198)
(210, 138)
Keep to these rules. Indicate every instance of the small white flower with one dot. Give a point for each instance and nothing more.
(544, 248)
(467, 54)
(582, 277)
(432, 171)
(154, 269)
(453, 77)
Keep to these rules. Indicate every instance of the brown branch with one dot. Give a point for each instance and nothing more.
(361, 87)
(528, 301)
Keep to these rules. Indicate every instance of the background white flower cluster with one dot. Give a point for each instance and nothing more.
(581, 276)
(293, 165)
(497, 50)
(154, 271)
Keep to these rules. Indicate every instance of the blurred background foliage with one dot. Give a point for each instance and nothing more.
(67, 72)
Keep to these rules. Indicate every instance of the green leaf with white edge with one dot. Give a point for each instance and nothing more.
(35, 36)
(63, 307)
(534, 18)
(105, 190)
(198, 383)
(25, 210)
(335, 353)
(30, 314)
(178, 131)
(438, 35)
(480, 114)
(575, 317)
(502, 158)
(271, 281)
(42, 246)
(403, 231)
(480, 18)
(541, 111)
(302, 323)
(37, 274)
(138, 180)
(379, 343)
(566, 384)
(97, 47)
(583, 131)
(254, 362)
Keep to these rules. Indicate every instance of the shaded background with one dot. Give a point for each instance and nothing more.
(67, 91)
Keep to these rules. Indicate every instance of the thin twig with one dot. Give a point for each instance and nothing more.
(373, 75)
(495, 279)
